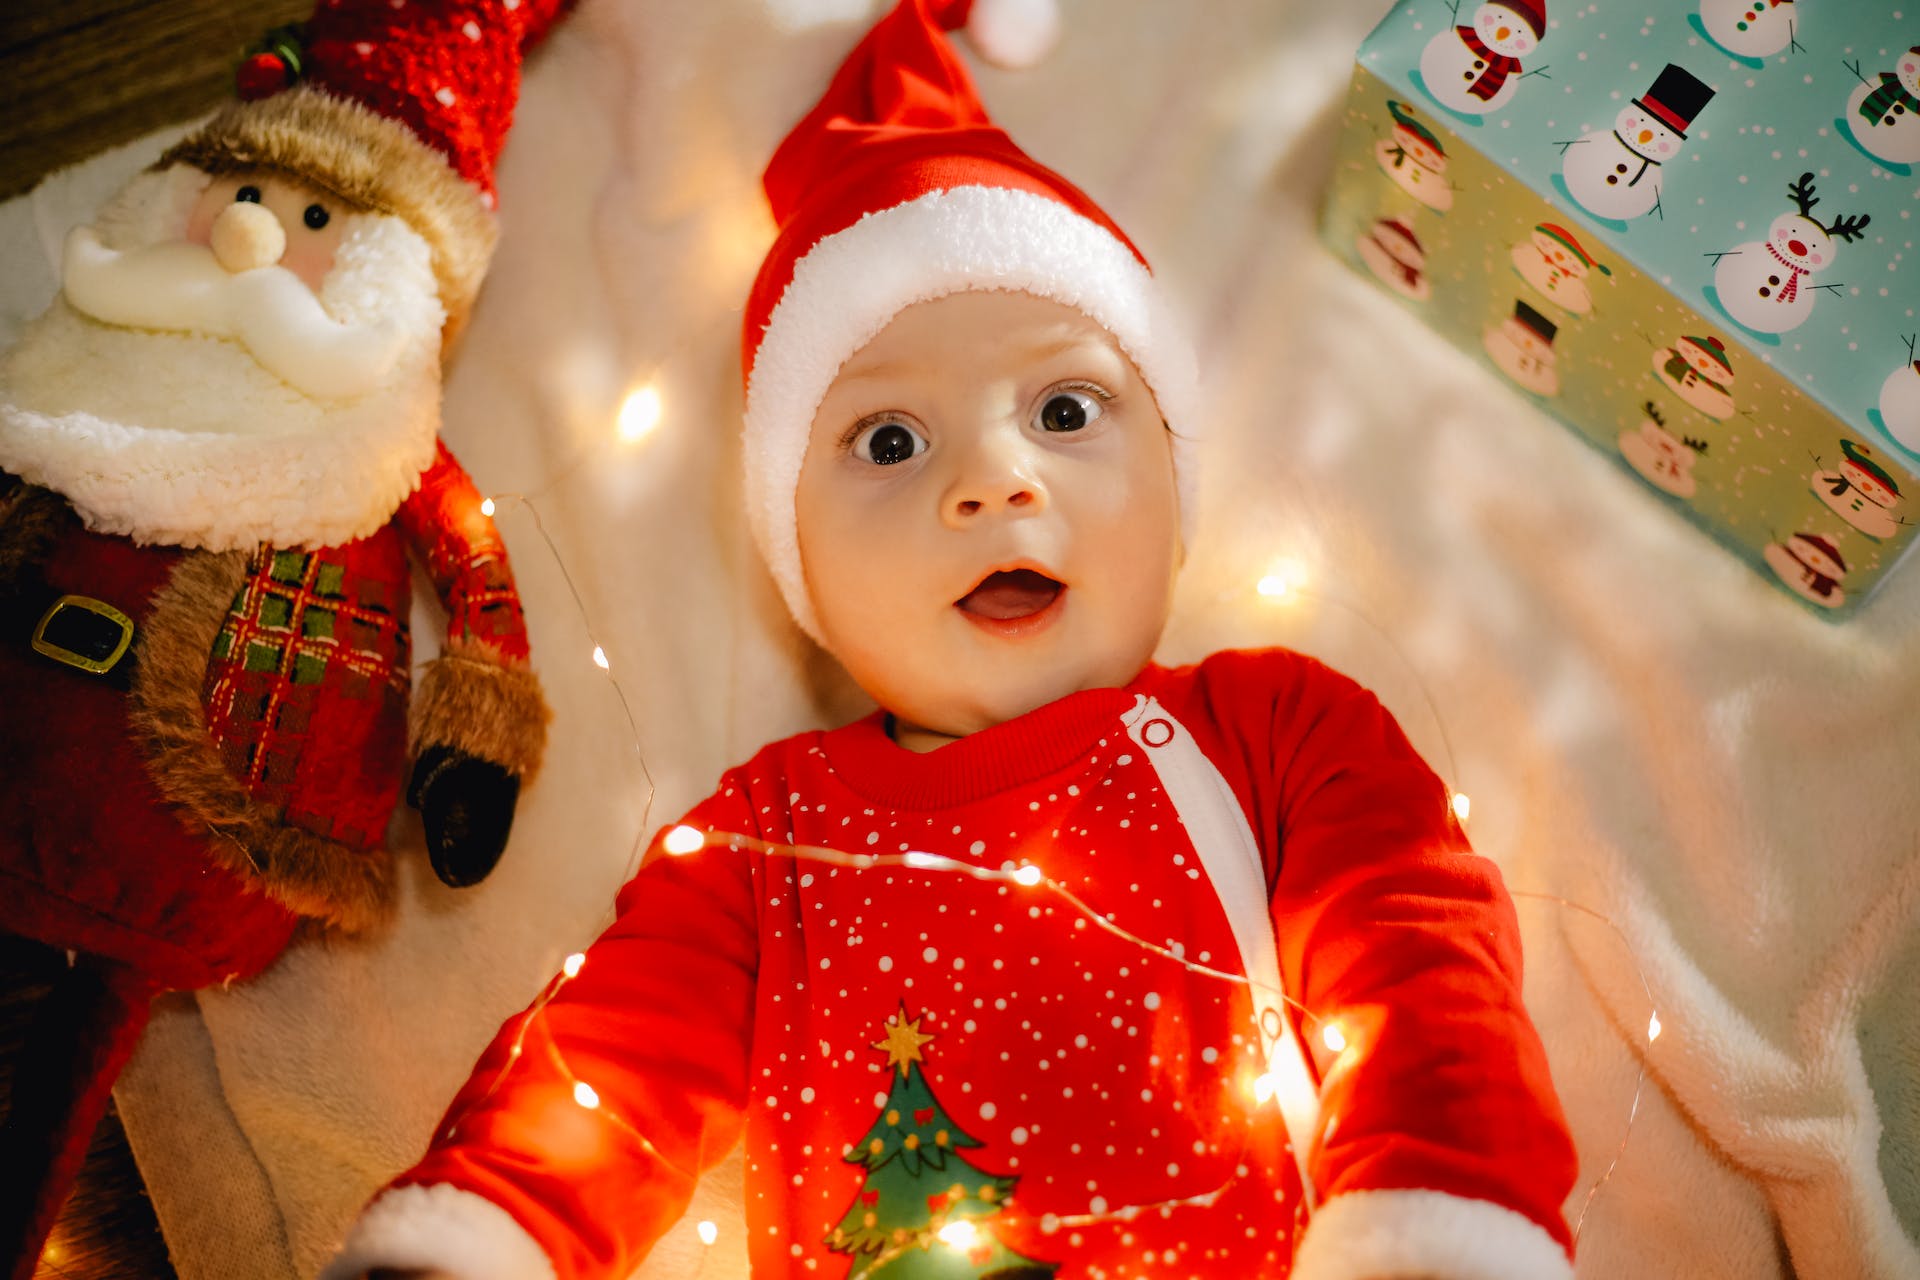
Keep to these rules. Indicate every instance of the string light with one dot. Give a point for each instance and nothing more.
(600, 658)
(683, 840)
(572, 966)
(708, 1232)
(1653, 1027)
(1461, 806)
(486, 506)
(961, 1235)
(1334, 1038)
(639, 414)
(584, 1095)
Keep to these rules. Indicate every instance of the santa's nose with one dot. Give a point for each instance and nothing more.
(1797, 247)
(245, 236)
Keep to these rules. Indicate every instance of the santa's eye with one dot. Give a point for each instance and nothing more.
(248, 194)
(1068, 410)
(317, 216)
(887, 442)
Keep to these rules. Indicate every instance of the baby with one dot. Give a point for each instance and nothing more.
(991, 980)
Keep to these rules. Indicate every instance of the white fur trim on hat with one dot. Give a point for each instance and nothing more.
(441, 1229)
(1013, 33)
(1364, 1234)
(851, 284)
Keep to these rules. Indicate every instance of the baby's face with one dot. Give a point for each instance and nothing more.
(987, 515)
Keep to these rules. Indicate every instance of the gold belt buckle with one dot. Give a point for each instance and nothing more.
(61, 654)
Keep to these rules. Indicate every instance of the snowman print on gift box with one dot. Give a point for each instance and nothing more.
(1394, 254)
(1522, 347)
(1699, 372)
(1883, 115)
(1413, 157)
(1767, 285)
(1474, 68)
(1617, 174)
(1812, 565)
(1750, 29)
(1861, 492)
(1558, 266)
(1662, 458)
(1899, 411)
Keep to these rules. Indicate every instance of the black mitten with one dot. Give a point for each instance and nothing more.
(466, 804)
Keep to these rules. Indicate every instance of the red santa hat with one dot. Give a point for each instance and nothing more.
(898, 188)
(391, 108)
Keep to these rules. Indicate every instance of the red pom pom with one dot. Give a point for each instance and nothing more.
(262, 76)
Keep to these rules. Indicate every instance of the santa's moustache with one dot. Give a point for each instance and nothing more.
(180, 286)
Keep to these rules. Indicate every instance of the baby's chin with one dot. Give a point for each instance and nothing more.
(962, 706)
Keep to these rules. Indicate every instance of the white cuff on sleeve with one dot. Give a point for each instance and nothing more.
(1425, 1233)
(440, 1228)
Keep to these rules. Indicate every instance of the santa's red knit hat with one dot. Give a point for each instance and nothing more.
(898, 188)
(392, 107)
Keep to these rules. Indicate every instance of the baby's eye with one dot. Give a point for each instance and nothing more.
(886, 443)
(248, 194)
(1068, 411)
(317, 216)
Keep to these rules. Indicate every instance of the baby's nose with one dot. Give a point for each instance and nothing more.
(247, 235)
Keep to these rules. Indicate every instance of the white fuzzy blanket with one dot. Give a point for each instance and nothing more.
(1642, 725)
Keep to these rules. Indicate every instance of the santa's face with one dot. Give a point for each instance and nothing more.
(312, 224)
(1503, 31)
(1869, 488)
(1801, 241)
(986, 513)
(1417, 149)
(1559, 257)
(1645, 135)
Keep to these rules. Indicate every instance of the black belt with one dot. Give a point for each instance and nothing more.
(78, 632)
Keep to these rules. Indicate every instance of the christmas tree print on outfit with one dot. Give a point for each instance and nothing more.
(1474, 68)
(1413, 157)
(1558, 266)
(1522, 348)
(1767, 286)
(1617, 174)
(1862, 492)
(1394, 254)
(1699, 372)
(922, 1212)
(1751, 30)
(1812, 565)
(1883, 115)
(1664, 459)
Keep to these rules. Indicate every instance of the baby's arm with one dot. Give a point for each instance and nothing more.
(1442, 1148)
(576, 1142)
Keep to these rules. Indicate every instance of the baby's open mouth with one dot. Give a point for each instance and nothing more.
(1008, 594)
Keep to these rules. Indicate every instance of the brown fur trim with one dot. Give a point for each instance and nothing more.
(31, 519)
(365, 159)
(470, 700)
(349, 889)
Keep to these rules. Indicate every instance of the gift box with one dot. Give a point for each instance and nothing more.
(1689, 236)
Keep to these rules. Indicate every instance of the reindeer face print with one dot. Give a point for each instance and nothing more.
(1803, 242)
(1645, 134)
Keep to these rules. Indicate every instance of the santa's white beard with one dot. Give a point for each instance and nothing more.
(185, 439)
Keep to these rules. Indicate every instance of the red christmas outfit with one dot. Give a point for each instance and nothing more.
(746, 992)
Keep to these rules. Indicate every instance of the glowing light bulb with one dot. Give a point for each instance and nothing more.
(486, 506)
(708, 1232)
(639, 414)
(1461, 805)
(684, 839)
(1282, 581)
(1653, 1028)
(584, 1095)
(600, 658)
(961, 1235)
(1333, 1037)
(1264, 1087)
(1028, 875)
(572, 965)
(1272, 585)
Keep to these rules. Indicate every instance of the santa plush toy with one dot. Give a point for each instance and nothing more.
(218, 447)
